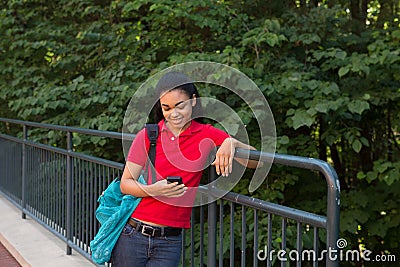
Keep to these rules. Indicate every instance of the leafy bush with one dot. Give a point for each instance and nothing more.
(331, 75)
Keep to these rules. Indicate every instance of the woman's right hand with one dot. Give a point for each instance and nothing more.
(163, 188)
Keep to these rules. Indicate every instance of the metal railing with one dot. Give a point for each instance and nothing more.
(59, 187)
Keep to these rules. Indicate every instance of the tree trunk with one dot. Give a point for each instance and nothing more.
(386, 12)
(338, 167)
(358, 11)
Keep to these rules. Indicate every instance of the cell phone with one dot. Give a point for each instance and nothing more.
(174, 179)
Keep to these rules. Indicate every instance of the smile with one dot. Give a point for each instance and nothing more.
(176, 121)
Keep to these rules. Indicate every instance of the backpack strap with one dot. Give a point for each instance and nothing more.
(152, 134)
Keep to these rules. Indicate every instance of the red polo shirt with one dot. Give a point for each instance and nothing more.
(186, 156)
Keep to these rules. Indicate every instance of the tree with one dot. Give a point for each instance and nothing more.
(329, 69)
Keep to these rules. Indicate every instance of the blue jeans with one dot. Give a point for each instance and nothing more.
(133, 249)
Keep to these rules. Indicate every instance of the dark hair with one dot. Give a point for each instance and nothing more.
(177, 81)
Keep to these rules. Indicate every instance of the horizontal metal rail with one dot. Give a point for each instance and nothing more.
(280, 210)
(71, 129)
(58, 187)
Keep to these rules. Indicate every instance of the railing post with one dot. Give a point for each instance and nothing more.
(333, 214)
(69, 193)
(23, 174)
(212, 223)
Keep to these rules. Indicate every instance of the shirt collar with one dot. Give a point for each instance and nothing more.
(193, 127)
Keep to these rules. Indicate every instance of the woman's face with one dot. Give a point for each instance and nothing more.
(177, 109)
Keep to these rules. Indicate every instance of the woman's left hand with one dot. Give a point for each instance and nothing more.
(226, 153)
(224, 157)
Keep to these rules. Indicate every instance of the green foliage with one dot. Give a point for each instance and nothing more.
(331, 79)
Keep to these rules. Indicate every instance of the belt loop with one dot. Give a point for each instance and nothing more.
(162, 231)
(137, 225)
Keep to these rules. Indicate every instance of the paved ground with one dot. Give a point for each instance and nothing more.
(31, 244)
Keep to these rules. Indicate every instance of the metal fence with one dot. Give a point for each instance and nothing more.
(59, 188)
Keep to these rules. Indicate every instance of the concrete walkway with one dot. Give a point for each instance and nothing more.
(31, 244)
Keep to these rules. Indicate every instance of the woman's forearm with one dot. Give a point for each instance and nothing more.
(130, 186)
(226, 154)
(129, 181)
(246, 162)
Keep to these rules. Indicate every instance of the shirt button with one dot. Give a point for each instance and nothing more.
(172, 138)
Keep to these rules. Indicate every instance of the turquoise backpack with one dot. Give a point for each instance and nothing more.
(115, 208)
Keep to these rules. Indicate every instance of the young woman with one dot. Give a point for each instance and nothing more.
(152, 237)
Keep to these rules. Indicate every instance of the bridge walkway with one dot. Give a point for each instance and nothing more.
(26, 243)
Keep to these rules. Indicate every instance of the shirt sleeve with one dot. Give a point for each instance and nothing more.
(139, 149)
(217, 135)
